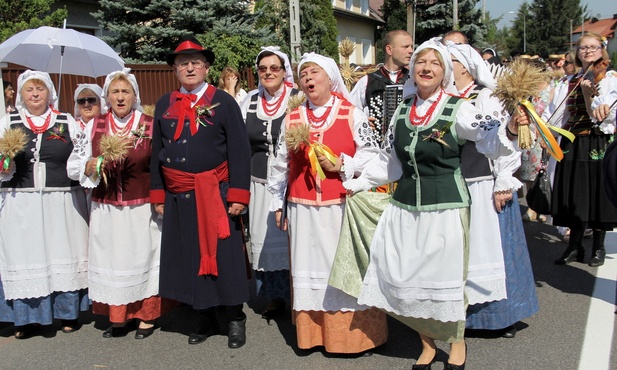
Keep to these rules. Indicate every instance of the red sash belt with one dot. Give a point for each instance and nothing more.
(212, 218)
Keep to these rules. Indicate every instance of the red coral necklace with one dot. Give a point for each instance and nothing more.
(39, 129)
(318, 122)
(417, 120)
(271, 109)
(116, 129)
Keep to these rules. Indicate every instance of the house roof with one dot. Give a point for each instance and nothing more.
(375, 6)
(603, 27)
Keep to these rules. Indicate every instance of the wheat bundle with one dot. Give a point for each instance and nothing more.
(12, 142)
(295, 101)
(297, 136)
(346, 47)
(113, 148)
(521, 82)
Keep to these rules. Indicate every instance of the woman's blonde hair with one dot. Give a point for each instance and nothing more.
(226, 72)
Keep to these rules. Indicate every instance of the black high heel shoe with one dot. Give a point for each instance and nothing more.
(424, 366)
(144, 333)
(450, 366)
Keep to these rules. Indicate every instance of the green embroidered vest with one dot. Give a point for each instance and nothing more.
(432, 178)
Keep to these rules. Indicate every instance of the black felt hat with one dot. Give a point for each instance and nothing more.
(190, 45)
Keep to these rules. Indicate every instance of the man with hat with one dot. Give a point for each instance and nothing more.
(200, 183)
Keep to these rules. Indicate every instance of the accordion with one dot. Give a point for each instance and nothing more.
(382, 107)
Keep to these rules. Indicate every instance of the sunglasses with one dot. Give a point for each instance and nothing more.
(91, 100)
(274, 69)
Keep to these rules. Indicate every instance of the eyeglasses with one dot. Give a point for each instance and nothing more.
(197, 64)
(591, 48)
(91, 100)
(274, 69)
(567, 63)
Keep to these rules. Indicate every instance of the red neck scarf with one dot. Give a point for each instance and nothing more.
(185, 101)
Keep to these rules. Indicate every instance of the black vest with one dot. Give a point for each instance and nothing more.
(47, 153)
(474, 165)
(262, 132)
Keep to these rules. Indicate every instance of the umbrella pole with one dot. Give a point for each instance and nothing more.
(60, 78)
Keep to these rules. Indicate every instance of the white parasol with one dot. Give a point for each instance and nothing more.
(61, 50)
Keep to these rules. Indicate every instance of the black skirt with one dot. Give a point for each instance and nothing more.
(579, 195)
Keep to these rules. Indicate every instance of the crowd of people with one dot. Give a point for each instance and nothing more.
(130, 215)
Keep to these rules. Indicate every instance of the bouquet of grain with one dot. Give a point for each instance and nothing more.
(514, 89)
(113, 148)
(12, 143)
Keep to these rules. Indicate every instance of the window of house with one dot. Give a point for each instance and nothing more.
(367, 56)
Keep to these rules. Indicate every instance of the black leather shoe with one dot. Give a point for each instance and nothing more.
(69, 326)
(203, 334)
(509, 332)
(276, 308)
(572, 256)
(237, 333)
(598, 258)
(26, 331)
(421, 367)
(116, 331)
(449, 366)
(144, 333)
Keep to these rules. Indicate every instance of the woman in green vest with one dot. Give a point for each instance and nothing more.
(419, 253)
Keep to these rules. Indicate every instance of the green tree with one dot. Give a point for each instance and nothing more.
(395, 15)
(145, 30)
(542, 27)
(434, 18)
(317, 25)
(20, 15)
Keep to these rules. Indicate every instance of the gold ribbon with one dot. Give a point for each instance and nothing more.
(320, 149)
(543, 128)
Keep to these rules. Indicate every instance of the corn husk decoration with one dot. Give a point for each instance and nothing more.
(113, 148)
(514, 89)
(12, 143)
(297, 137)
(346, 48)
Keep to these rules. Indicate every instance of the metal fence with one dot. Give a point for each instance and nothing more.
(154, 80)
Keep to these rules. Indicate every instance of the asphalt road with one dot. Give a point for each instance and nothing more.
(560, 336)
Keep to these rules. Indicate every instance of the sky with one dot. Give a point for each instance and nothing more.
(603, 8)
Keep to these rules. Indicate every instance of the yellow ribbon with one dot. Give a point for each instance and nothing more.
(543, 128)
(320, 149)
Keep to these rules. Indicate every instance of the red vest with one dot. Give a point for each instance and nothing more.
(306, 188)
(128, 182)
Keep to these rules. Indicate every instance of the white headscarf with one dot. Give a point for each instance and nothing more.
(96, 89)
(473, 62)
(289, 74)
(328, 65)
(38, 75)
(435, 43)
(111, 77)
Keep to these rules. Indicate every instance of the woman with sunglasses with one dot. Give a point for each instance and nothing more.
(125, 231)
(579, 199)
(87, 103)
(44, 228)
(263, 111)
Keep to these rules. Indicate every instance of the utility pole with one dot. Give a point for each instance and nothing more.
(294, 30)
(455, 15)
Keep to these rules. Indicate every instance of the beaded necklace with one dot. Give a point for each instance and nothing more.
(116, 129)
(39, 129)
(318, 122)
(271, 109)
(422, 120)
